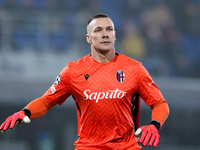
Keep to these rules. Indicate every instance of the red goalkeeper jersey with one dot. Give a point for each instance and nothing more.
(103, 93)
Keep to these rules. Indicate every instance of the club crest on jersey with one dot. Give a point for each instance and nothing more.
(120, 76)
(58, 79)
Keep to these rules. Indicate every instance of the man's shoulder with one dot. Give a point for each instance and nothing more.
(123, 58)
(80, 62)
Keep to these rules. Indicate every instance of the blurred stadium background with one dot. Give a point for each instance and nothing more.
(39, 37)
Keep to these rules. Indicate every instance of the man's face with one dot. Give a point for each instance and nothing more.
(101, 34)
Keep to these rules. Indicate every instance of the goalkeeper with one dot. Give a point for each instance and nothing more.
(106, 87)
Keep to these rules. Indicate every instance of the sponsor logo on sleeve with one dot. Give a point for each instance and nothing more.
(58, 79)
(152, 82)
(53, 89)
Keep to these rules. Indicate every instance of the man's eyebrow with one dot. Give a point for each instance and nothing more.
(110, 27)
(99, 27)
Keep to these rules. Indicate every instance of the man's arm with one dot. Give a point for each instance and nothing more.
(150, 133)
(34, 109)
(39, 107)
(160, 111)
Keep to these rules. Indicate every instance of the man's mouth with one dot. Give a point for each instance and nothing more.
(105, 42)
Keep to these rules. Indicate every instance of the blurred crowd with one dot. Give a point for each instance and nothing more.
(163, 34)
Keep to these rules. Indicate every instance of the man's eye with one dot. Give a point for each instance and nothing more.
(97, 30)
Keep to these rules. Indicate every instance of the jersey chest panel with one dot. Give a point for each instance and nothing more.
(105, 82)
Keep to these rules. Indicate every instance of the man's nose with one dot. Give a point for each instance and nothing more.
(105, 37)
(105, 34)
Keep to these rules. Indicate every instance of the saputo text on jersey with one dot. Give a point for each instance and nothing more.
(110, 94)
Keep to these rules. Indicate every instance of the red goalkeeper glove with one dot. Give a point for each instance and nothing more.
(149, 134)
(14, 119)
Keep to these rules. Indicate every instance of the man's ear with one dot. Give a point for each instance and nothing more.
(88, 39)
(115, 35)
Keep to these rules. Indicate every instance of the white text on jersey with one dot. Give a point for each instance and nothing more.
(101, 95)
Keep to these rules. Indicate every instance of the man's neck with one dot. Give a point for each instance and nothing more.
(103, 57)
